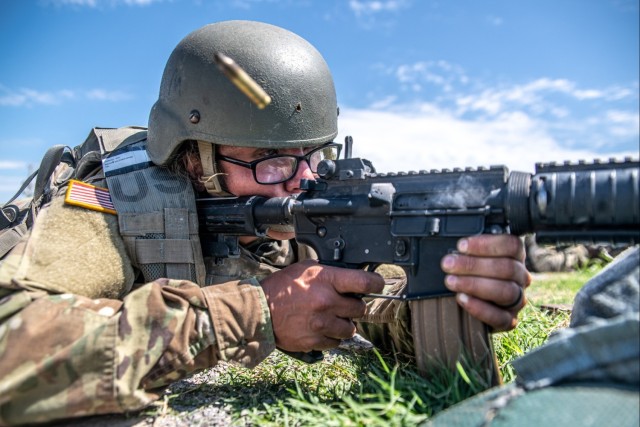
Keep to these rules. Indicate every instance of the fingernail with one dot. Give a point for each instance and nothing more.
(463, 245)
(463, 298)
(448, 261)
(451, 282)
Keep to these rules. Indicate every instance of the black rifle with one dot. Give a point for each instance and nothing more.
(354, 217)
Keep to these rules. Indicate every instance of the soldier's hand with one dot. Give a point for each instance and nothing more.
(489, 276)
(312, 304)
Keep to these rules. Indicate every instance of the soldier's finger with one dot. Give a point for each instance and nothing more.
(496, 268)
(498, 319)
(348, 307)
(348, 281)
(505, 294)
(333, 328)
(493, 245)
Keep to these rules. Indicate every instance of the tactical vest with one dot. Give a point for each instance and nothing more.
(156, 210)
(158, 221)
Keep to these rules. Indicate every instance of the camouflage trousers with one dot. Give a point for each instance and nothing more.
(387, 323)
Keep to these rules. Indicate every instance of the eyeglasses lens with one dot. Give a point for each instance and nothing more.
(277, 169)
(283, 168)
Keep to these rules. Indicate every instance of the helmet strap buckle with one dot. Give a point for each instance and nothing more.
(210, 176)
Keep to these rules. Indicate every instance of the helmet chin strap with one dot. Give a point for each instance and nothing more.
(210, 176)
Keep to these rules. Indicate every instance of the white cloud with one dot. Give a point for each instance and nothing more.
(384, 103)
(86, 3)
(617, 93)
(434, 139)
(377, 14)
(438, 73)
(99, 3)
(589, 120)
(248, 4)
(26, 97)
(537, 95)
(465, 94)
(623, 123)
(12, 165)
(104, 95)
(140, 2)
(364, 7)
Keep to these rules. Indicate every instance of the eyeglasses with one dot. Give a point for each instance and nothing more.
(279, 168)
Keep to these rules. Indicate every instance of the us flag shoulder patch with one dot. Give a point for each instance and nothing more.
(89, 196)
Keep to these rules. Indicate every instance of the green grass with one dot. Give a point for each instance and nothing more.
(369, 389)
(559, 288)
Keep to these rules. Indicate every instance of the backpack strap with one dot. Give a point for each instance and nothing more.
(10, 237)
(24, 185)
(10, 213)
(49, 163)
(16, 218)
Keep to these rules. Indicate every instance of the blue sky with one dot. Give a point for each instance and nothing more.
(421, 84)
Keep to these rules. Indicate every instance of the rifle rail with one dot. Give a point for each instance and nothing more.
(355, 217)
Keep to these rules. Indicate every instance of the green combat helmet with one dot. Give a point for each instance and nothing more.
(199, 102)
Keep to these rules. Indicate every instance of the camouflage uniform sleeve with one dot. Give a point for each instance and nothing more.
(66, 355)
(75, 340)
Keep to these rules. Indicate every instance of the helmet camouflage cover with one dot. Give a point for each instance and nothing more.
(198, 102)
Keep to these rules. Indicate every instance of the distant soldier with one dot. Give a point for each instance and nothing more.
(542, 259)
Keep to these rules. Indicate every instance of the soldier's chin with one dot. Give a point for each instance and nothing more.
(281, 232)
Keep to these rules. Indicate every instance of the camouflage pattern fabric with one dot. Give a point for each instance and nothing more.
(387, 324)
(550, 259)
(79, 336)
(258, 259)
